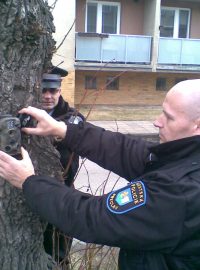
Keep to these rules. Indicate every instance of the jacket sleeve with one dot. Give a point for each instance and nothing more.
(90, 218)
(119, 153)
(66, 155)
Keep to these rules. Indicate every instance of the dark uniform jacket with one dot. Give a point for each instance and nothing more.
(64, 112)
(155, 220)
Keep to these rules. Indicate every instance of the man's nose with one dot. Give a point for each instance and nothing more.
(157, 123)
(47, 94)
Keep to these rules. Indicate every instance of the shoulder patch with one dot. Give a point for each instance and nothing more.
(127, 198)
(75, 119)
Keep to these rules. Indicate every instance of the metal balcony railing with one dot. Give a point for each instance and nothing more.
(127, 49)
(179, 51)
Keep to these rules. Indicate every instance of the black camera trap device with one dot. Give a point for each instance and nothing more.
(10, 134)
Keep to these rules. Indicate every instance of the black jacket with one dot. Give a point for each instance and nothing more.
(64, 112)
(155, 220)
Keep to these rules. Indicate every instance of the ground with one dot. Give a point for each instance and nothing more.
(121, 112)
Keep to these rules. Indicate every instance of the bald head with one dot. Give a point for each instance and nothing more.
(180, 117)
(188, 94)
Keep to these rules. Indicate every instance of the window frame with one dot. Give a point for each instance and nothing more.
(99, 15)
(176, 20)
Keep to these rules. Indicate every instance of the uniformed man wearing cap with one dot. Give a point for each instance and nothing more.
(58, 108)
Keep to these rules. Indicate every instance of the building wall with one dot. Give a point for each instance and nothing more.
(132, 17)
(64, 17)
(68, 86)
(80, 15)
(195, 14)
(195, 22)
(137, 17)
(136, 88)
(132, 14)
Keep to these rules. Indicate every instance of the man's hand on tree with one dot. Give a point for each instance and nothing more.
(16, 171)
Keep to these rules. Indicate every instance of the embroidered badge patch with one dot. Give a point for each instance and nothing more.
(127, 198)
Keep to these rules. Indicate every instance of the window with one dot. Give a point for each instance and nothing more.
(112, 83)
(90, 82)
(91, 17)
(161, 84)
(102, 17)
(174, 22)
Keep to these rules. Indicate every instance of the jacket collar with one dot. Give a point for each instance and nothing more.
(177, 149)
(61, 108)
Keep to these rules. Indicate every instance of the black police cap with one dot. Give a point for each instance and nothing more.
(53, 78)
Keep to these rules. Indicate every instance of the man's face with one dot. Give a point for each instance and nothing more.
(50, 98)
(174, 123)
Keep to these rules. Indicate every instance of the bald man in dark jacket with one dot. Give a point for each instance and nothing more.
(155, 220)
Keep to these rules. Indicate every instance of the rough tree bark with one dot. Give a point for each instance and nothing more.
(26, 48)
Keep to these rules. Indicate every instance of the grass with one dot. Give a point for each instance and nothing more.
(121, 112)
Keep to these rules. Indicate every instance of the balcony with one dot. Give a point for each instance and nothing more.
(113, 49)
(181, 52)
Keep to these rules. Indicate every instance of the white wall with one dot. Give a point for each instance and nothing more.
(64, 15)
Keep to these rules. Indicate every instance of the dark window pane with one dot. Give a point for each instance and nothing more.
(183, 23)
(161, 84)
(112, 83)
(167, 23)
(109, 19)
(91, 17)
(90, 82)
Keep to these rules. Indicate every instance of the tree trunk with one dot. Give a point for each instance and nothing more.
(26, 48)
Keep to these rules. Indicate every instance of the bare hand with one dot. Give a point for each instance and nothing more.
(46, 124)
(16, 171)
